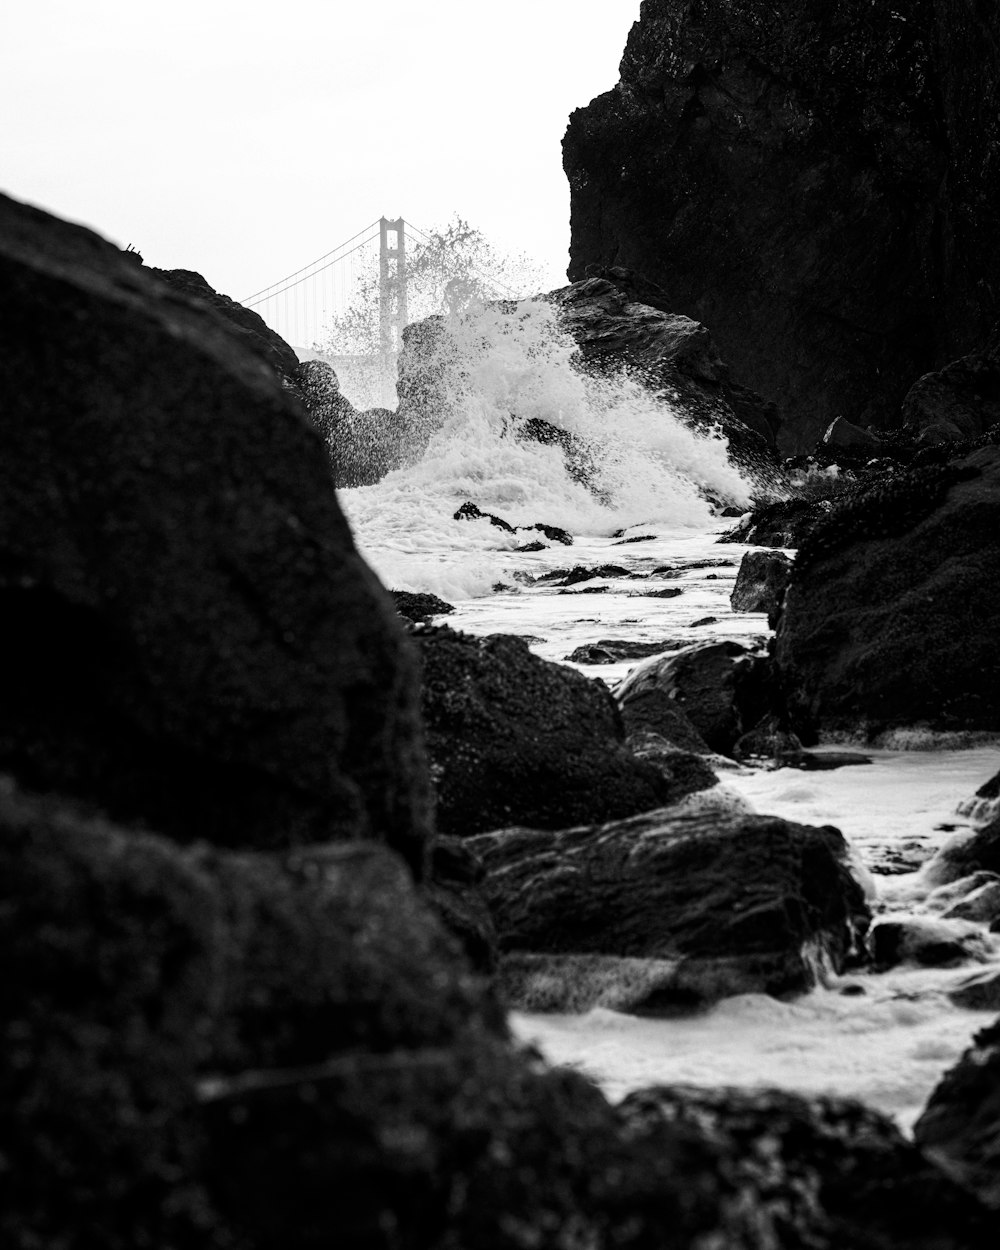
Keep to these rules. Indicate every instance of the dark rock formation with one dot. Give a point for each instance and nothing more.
(812, 182)
(614, 650)
(760, 583)
(984, 806)
(959, 402)
(786, 523)
(724, 904)
(879, 595)
(925, 942)
(851, 443)
(827, 1173)
(514, 738)
(419, 607)
(720, 686)
(673, 356)
(579, 573)
(978, 993)
(187, 635)
(471, 512)
(249, 327)
(967, 854)
(960, 1126)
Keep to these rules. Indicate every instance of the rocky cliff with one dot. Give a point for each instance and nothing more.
(812, 181)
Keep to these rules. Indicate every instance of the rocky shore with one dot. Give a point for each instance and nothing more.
(281, 849)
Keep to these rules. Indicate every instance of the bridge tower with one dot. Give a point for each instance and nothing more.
(391, 299)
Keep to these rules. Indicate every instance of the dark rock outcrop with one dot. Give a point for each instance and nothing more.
(878, 597)
(614, 650)
(188, 637)
(812, 182)
(652, 709)
(722, 688)
(786, 523)
(722, 904)
(960, 1126)
(673, 356)
(960, 402)
(926, 942)
(761, 582)
(249, 327)
(827, 1173)
(419, 606)
(515, 738)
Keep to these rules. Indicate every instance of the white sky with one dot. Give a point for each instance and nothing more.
(244, 139)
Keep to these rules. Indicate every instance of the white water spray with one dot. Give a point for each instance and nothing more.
(631, 461)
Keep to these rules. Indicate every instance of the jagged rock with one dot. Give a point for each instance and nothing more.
(188, 637)
(249, 327)
(761, 582)
(720, 686)
(578, 573)
(787, 523)
(673, 355)
(960, 1126)
(929, 943)
(552, 532)
(470, 512)
(984, 807)
(880, 593)
(826, 1173)
(959, 402)
(813, 183)
(849, 441)
(728, 904)
(419, 606)
(515, 738)
(614, 650)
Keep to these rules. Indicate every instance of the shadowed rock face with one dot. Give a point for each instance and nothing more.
(812, 181)
(187, 635)
(889, 619)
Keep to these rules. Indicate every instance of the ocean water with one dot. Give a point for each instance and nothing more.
(885, 1038)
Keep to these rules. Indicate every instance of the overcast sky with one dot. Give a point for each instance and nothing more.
(243, 139)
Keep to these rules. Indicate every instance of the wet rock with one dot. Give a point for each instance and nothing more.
(703, 620)
(960, 1126)
(578, 573)
(866, 641)
(859, 445)
(419, 606)
(653, 710)
(959, 402)
(614, 650)
(827, 1173)
(928, 943)
(978, 993)
(984, 807)
(736, 903)
(787, 523)
(532, 547)
(945, 896)
(784, 194)
(514, 738)
(720, 686)
(188, 637)
(673, 356)
(964, 854)
(826, 761)
(686, 771)
(668, 592)
(636, 538)
(761, 582)
(768, 740)
(981, 905)
(552, 532)
(470, 512)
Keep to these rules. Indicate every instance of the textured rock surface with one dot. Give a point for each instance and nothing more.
(673, 355)
(719, 686)
(187, 635)
(761, 582)
(732, 903)
(515, 738)
(787, 523)
(879, 595)
(813, 182)
(959, 402)
(960, 1126)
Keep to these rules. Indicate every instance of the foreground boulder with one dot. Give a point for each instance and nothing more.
(669, 909)
(878, 598)
(812, 182)
(960, 1126)
(512, 737)
(189, 637)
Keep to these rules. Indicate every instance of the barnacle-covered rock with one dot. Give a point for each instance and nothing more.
(889, 619)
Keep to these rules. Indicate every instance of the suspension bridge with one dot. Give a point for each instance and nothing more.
(304, 306)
